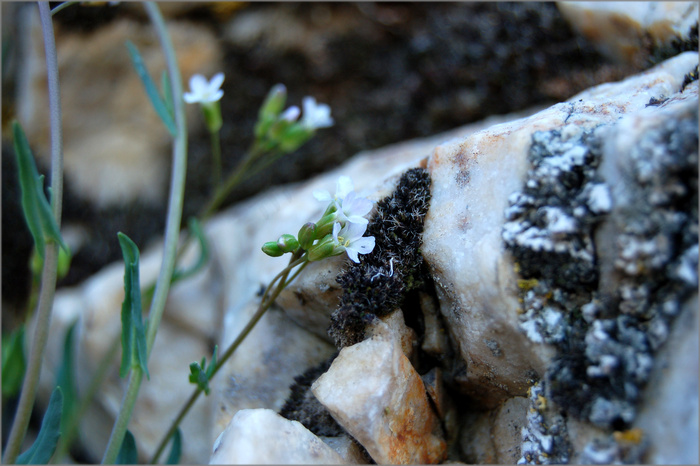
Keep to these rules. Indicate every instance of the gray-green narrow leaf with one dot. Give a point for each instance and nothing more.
(14, 363)
(66, 378)
(153, 94)
(128, 454)
(133, 329)
(37, 212)
(176, 449)
(44, 446)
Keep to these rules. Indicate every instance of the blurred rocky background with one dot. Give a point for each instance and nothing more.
(392, 73)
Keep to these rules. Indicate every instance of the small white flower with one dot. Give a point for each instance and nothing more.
(354, 208)
(291, 114)
(203, 91)
(342, 187)
(315, 115)
(349, 205)
(351, 240)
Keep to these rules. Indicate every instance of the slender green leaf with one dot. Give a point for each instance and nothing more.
(133, 329)
(167, 90)
(128, 454)
(196, 229)
(156, 100)
(37, 212)
(176, 449)
(66, 379)
(45, 444)
(14, 362)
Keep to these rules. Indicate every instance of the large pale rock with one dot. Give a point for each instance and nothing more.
(261, 436)
(473, 178)
(116, 149)
(669, 413)
(624, 30)
(372, 390)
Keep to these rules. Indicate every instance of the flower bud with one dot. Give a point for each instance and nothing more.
(287, 243)
(270, 109)
(272, 249)
(294, 137)
(307, 235)
(325, 225)
(327, 247)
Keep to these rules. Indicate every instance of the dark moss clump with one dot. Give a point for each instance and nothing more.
(379, 283)
(689, 78)
(303, 406)
(677, 45)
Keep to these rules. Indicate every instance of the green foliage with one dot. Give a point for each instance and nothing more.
(14, 362)
(66, 379)
(128, 454)
(158, 105)
(37, 211)
(176, 449)
(200, 373)
(133, 332)
(196, 230)
(36, 263)
(43, 448)
(167, 88)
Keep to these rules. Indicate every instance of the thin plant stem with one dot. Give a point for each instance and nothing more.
(62, 6)
(265, 303)
(216, 157)
(234, 178)
(50, 270)
(31, 379)
(172, 232)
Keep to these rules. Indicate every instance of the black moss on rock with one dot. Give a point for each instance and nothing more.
(370, 289)
(302, 405)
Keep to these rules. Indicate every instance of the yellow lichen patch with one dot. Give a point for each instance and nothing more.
(629, 436)
(528, 284)
(541, 403)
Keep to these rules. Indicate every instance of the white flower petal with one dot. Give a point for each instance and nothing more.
(216, 81)
(323, 195)
(352, 254)
(291, 114)
(343, 187)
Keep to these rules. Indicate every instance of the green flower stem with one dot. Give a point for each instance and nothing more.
(50, 270)
(216, 157)
(234, 178)
(267, 301)
(172, 231)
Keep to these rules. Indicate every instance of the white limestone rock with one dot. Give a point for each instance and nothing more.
(372, 390)
(622, 30)
(473, 178)
(261, 436)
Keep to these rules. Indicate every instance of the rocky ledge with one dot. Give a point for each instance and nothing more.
(532, 299)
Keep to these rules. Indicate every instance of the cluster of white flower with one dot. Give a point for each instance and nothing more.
(204, 92)
(340, 229)
(350, 223)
